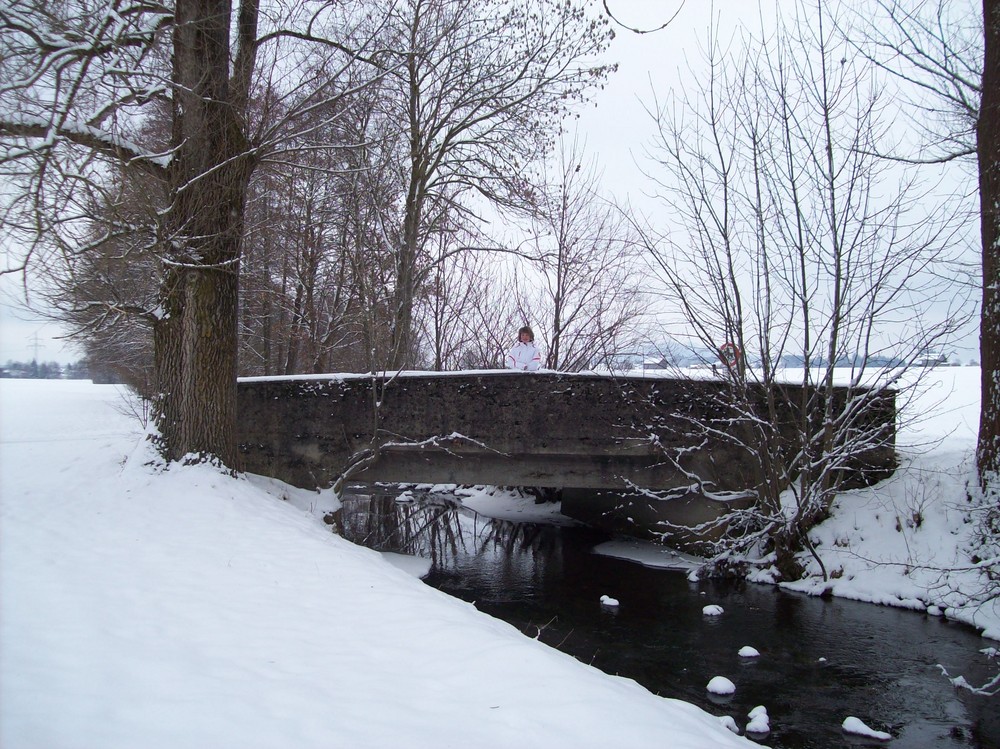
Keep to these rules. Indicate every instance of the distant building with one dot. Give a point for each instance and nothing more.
(931, 359)
(660, 363)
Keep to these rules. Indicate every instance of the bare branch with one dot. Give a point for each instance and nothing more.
(635, 30)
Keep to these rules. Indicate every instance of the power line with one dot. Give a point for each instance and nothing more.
(35, 345)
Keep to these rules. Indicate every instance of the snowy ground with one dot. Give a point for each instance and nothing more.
(150, 609)
(904, 541)
(180, 608)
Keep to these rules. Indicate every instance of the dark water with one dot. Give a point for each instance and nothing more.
(821, 660)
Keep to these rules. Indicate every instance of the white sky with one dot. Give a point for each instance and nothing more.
(615, 126)
(25, 336)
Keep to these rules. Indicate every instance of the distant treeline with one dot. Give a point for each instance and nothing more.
(46, 370)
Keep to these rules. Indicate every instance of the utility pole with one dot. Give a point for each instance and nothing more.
(35, 345)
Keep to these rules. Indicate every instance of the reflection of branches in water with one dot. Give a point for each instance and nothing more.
(437, 527)
(427, 529)
(509, 536)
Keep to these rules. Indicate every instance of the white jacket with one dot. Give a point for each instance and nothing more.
(524, 356)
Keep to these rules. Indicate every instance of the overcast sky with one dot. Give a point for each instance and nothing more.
(615, 126)
(24, 336)
(618, 128)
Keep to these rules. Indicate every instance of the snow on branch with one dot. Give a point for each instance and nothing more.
(990, 688)
(84, 135)
(444, 442)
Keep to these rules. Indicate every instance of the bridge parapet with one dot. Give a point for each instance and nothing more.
(542, 429)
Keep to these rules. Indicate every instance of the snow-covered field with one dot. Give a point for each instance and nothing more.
(181, 608)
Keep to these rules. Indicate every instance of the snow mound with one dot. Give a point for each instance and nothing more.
(858, 727)
(759, 721)
(730, 723)
(721, 685)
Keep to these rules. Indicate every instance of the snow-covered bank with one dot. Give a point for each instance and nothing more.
(904, 541)
(185, 608)
(142, 608)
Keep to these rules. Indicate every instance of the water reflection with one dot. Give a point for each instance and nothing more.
(437, 527)
(821, 661)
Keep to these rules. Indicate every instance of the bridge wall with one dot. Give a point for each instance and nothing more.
(591, 436)
(505, 428)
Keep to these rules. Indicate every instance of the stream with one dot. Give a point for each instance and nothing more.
(821, 660)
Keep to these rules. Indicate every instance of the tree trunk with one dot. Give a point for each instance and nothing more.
(196, 354)
(988, 145)
(167, 360)
(401, 343)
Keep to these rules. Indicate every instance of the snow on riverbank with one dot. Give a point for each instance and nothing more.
(141, 607)
(181, 608)
(902, 542)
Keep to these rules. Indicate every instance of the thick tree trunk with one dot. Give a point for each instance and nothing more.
(401, 333)
(401, 343)
(988, 140)
(196, 343)
(402, 321)
(209, 350)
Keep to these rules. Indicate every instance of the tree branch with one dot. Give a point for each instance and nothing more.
(127, 153)
(635, 30)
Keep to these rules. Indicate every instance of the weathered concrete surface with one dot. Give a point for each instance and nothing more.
(598, 438)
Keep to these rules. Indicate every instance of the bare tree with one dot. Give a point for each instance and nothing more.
(934, 49)
(941, 52)
(478, 97)
(458, 284)
(795, 251)
(988, 151)
(590, 300)
(493, 314)
(316, 296)
(298, 303)
(987, 556)
(81, 80)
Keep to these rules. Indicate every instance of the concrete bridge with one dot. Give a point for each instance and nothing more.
(597, 438)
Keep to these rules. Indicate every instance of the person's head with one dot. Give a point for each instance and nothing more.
(524, 335)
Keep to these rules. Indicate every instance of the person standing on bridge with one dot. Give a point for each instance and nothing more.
(525, 354)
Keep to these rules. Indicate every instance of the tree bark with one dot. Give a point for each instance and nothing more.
(196, 356)
(988, 149)
(167, 361)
